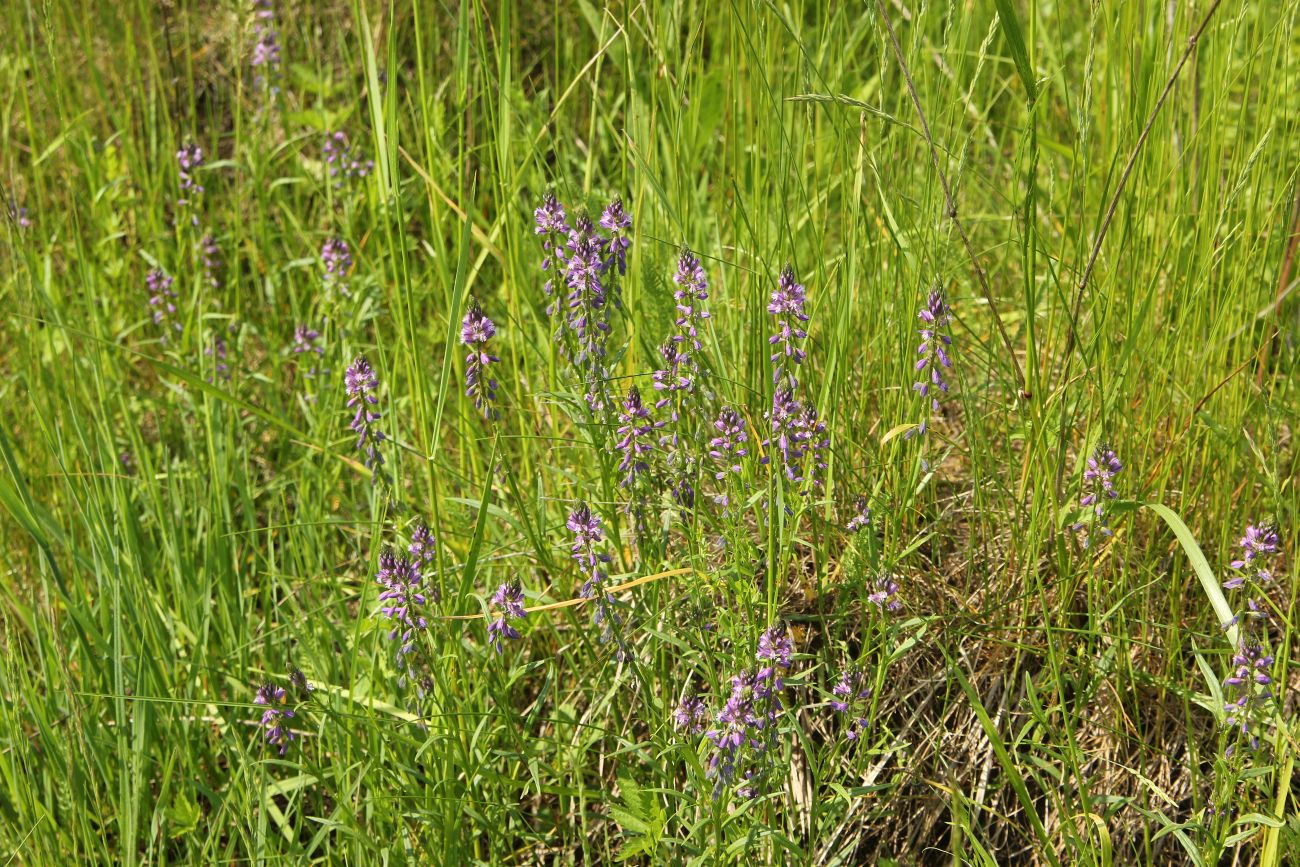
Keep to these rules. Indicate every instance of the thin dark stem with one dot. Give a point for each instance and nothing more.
(1072, 337)
(951, 203)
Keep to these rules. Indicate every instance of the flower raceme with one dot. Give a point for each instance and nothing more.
(476, 330)
(362, 382)
(509, 602)
(273, 723)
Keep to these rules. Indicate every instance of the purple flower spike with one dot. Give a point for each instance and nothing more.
(798, 436)
(851, 698)
(681, 372)
(216, 351)
(476, 330)
(1250, 693)
(933, 351)
(402, 602)
(1098, 490)
(337, 259)
(344, 163)
(776, 648)
(861, 517)
(189, 160)
(509, 602)
(787, 305)
(18, 214)
(728, 447)
(636, 437)
(266, 47)
(162, 301)
(588, 537)
(273, 718)
(362, 383)
(617, 222)
(211, 260)
(885, 594)
(423, 548)
(554, 229)
(1258, 544)
(690, 715)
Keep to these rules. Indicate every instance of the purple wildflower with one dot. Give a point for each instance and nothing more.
(934, 316)
(216, 351)
(1258, 544)
(162, 300)
(361, 383)
(337, 259)
(745, 732)
(273, 718)
(509, 602)
(775, 647)
(787, 305)
(475, 331)
(617, 222)
(554, 229)
(1250, 683)
(728, 447)
(797, 434)
(344, 163)
(211, 260)
(1098, 488)
(586, 552)
(18, 214)
(636, 440)
(423, 548)
(851, 695)
(861, 516)
(266, 47)
(299, 681)
(885, 594)
(682, 368)
(690, 715)
(189, 160)
(404, 598)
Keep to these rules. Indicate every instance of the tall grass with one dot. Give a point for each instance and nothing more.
(175, 538)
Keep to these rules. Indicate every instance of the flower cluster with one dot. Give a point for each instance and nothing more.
(273, 723)
(266, 47)
(216, 352)
(18, 214)
(189, 159)
(162, 300)
(787, 305)
(362, 382)
(336, 256)
(402, 601)
(592, 263)
(509, 602)
(1258, 544)
(727, 448)
(851, 694)
(1098, 490)
(798, 436)
(933, 351)
(344, 163)
(796, 433)
(475, 331)
(636, 437)
(1249, 684)
(588, 537)
(745, 730)
(211, 254)
(682, 368)
(424, 551)
(861, 515)
(884, 595)
(690, 716)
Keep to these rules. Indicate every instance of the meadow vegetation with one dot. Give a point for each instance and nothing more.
(671, 432)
